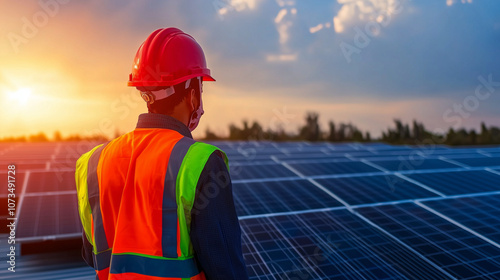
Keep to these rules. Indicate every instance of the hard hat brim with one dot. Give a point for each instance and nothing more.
(206, 78)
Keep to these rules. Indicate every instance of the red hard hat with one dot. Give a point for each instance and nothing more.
(168, 57)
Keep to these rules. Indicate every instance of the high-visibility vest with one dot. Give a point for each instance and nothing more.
(135, 196)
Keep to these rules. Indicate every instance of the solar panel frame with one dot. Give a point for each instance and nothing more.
(55, 217)
(478, 213)
(459, 182)
(412, 164)
(259, 171)
(485, 161)
(314, 246)
(457, 251)
(332, 168)
(256, 198)
(374, 189)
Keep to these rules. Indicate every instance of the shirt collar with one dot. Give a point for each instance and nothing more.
(152, 120)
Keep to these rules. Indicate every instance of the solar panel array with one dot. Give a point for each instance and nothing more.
(317, 210)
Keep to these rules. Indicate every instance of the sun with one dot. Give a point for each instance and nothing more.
(21, 96)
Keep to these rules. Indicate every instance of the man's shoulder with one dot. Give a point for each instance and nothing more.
(83, 160)
(207, 150)
(203, 154)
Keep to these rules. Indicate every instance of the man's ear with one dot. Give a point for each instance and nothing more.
(190, 98)
(194, 99)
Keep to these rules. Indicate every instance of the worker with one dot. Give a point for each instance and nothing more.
(154, 203)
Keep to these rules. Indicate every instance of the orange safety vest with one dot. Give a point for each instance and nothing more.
(135, 196)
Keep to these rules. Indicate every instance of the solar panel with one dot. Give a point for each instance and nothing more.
(247, 171)
(19, 181)
(310, 156)
(327, 245)
(463, 182)
(330, 168)
(51, 181)
(478, 213)
(279, 196)
(486, 161)
(347, 219)
(413, 164)
(48, 216)
(455, 250)
(248, 158)
(372, 189)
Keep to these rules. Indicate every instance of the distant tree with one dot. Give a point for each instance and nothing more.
(406, 132)
(14, 139)
(57, 136)
(74, 137)
(473, 137)
(402, 134)
(209, 135)
(495, 135)
(357, 135)
(484, 135)
(341, 133)
(332, 135)
(40, 137)
(311, 130)
(253, 132)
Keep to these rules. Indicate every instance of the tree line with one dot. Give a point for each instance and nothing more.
(310, 130)
(401, 133)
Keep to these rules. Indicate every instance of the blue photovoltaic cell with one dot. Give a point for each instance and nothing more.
(235, 159)
(463, 182)
(479, 213)
(486, 161)
(311, 156)
(241, 172)
(279, 196)
(456, 155)
(327, 245)
(17, 180)
(330, 168)
(458, 252)
(51, 181)
(371, 189)
(48, 215)
(418, 163)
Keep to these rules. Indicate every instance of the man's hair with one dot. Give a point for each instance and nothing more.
(166, 106)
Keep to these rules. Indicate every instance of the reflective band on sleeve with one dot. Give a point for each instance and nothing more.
(169, 208)
(84, 208)
(187, 180)
(100, 242)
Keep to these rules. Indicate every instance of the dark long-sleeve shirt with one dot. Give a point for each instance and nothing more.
(215, 230)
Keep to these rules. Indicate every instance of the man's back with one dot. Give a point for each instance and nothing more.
(147, 181)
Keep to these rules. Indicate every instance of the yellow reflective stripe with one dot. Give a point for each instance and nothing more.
(187, 180)
(83, 195)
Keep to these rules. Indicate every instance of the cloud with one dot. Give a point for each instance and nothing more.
(284, 21)
(451, 2)
(281, 14)
(281, 57)
(316, 28)
(353, 11)
(283, 3)
(223, 7)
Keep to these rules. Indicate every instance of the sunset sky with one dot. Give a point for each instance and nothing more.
(65, 64)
